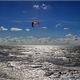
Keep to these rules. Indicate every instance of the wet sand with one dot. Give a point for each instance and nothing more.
(39, 62)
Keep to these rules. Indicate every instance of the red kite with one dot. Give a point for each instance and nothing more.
(34, 22)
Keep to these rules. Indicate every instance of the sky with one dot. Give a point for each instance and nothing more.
(57, 18)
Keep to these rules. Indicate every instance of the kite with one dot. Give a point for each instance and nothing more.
(35, 22)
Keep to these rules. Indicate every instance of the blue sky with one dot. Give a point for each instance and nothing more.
(59, 17)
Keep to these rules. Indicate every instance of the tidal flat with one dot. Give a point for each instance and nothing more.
(39, 62)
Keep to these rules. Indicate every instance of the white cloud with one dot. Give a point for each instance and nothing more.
(15, 29)
(36, 6)
(58, 25)
(42, 40)
(71, 37)
(66, 28)
(3, 28)
(44, 27)
(28, 30)
(68, 35)
(44, 6)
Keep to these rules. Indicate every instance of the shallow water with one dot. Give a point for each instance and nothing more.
(39, 62)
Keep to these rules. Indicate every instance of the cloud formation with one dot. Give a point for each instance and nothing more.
(3, 28)
(43, 6)
(28, 30)
(71, 37)
(66, 28)
(58, 25)
(36, 6)
(44, 27)
(68, 39)
(15, 29)
(19, 29)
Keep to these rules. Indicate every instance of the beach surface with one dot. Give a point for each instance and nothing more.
(39, 62)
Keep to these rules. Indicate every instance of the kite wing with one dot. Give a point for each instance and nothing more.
(34, 22)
